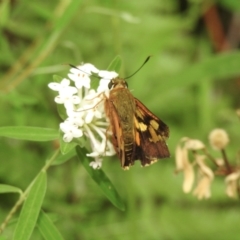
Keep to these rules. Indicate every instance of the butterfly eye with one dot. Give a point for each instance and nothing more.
(110, 84)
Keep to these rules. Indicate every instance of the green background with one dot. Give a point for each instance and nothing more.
(189, 83)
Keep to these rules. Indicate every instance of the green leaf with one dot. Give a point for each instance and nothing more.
(101, 179)
(9, 189)
(115, 65)
(64, 158)
(29, 133)
(65, 147)
(57, 78)
(47, 228)
(62, 111)
(31, 208)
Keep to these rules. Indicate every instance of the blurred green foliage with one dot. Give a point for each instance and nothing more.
(186, 83)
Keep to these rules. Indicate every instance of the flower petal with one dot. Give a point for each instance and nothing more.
(188, 178)
(194, 144)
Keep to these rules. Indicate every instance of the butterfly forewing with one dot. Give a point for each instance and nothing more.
(120, 107)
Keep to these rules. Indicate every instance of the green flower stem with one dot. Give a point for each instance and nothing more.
(25, 193)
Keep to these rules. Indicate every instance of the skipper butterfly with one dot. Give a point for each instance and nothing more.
(137, 134)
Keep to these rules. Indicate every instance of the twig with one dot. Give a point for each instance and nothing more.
(229, 169)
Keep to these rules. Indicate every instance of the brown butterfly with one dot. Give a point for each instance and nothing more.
(137, 134)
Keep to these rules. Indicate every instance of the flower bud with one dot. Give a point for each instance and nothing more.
(218, 138)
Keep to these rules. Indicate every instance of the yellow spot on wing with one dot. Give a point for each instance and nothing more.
(137, 138)
(155, 137)
(139, 114)
(154, 124)
(142, 126)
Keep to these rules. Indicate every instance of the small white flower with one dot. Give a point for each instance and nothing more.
(75, 117)
(63, 86)
(67, 100)
(66, 92)
(103, 86)
(106, 77)
(98, 149)
(96, 164)
(92, 106)
(70, 131)
(88, 68)
(81, 75)
(102, 148)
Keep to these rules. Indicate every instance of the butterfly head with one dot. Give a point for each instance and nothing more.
(117, 83)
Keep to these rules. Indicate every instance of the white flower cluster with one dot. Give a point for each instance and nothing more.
(85, 109)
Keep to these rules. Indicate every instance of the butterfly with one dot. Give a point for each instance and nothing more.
(137, 134)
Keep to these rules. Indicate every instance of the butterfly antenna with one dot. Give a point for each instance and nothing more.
(71, 65)
(139, 67)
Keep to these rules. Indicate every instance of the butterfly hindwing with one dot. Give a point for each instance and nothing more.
(150, 134)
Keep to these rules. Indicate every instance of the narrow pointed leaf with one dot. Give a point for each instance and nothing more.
(29, 133)
(65, 157)
(101, 179)
(57, 78)
(115, 65)
(62, 111)
(47, 228)
(31, 208)
(65, 147)
(9, 189)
